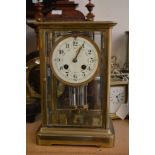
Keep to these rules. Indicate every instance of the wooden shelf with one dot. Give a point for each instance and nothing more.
(121, 142)
(118, 83)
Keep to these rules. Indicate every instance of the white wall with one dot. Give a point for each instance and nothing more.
(112, 10)
(104, 10)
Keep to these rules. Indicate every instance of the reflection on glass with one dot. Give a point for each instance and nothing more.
(76, 106)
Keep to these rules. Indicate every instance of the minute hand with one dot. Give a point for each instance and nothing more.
(75, 58)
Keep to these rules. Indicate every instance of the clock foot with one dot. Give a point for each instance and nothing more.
(67, 136)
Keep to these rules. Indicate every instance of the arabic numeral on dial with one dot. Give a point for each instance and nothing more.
(89, 51)
(67, 73)
(61, 52)
(67, 45)
(92, 59)
(57, 59)
(83, 74)
(75, 43)
(83, 45)
(61, 67)
(75, 77)
(89, 68)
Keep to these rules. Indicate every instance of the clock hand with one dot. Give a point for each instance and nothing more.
(117, 97)
(78, 51)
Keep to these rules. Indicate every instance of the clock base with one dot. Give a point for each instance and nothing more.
(76, 136)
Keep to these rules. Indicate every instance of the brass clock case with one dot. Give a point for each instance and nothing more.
(60, 123)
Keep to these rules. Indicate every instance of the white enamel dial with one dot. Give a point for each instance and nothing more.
(75, 60)
(117, 97)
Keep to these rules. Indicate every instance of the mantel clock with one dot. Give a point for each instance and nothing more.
(75, 83)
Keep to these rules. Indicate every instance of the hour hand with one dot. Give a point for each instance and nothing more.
(77, 53)
(117, 99)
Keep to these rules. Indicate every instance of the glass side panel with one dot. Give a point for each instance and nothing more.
(74, 106)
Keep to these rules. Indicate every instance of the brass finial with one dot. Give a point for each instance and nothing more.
(90, 16)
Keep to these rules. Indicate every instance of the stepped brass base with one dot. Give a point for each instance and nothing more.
(76, 136)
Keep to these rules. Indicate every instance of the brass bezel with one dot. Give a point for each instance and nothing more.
(81, 83)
